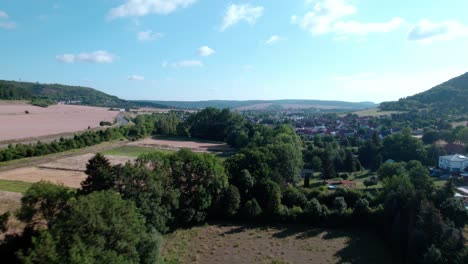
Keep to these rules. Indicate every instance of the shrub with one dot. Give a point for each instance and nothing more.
(251, 209)
(340, 204)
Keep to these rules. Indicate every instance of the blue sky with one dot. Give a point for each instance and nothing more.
(352, 50)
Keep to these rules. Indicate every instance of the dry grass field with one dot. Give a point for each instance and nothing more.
(10, 202)
(53, 120)
(78, 163)
(33, 174)
(176, 144)
(231, 244)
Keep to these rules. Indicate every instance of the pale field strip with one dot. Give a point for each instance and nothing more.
(53, 120)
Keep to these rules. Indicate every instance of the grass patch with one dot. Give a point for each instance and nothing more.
(176, 246)
(375, 112)
(132, 151)
(14, 186)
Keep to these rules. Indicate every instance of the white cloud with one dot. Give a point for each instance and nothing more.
(205, 51)
(3, 15)
(146, 7)
(237, 13)
(294, 19)
(328, 16)
(100, 56)
(148, 35)
(135, 77)
(272, 40)
(427, 31)
(5, 23)
(182, 64)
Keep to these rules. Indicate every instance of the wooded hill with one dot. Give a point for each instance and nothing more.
(12, 90)
(450, 97)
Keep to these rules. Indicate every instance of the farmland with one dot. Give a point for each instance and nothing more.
(40, 122)
(231, 244)
(169, 143)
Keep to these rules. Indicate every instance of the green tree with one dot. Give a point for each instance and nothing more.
(98, 228)
(316, 163)
(42, 203)
(231, 201)
(99, 171)
(268, 194)
(454, 209)
(251, 209)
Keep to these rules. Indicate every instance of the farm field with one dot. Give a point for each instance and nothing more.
(78, 163)
(33, 174)
(131, 151)
(230, 244)
(169, 143)
(53, 120)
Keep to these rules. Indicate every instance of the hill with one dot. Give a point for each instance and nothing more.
(269, 104)
(450, 97)
(49, 93)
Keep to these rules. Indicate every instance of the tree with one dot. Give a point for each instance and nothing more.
(231, 201)
(4, 221)
(268, 194)
(340, 204)
(462, 135)
(99, 173)
(433, 256)
(316, 163)
(97, 228)
(419, 176)
(293, 197)
(328, 171)
(313, 209)
(430, 136)
(251, 209)
(454, 209)
(349, 161)
(388, 170)
(42, 203)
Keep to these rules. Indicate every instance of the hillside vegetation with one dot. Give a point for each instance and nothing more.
(49, 93)
(450, 97)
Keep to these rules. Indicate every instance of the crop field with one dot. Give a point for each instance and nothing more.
(231, 244)
(34, 174)
(53, 120)
(178, 143)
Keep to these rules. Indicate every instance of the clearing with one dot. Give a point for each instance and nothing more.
(230, 244)
(53, 120)
(132, 151)
(170, 143)
(33, 174)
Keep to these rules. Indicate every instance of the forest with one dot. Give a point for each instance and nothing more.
(121, 212)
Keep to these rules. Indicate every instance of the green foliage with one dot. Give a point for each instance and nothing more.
(268, 194)
(340, 204)
(388, 170)
(454, 209)
(251, 209)
(97, 228)
(403, 147)
(43, 202)
(231, 201)
(99, 174)
(3, 221)
(433, 256)
(313, 209)
(293, 197)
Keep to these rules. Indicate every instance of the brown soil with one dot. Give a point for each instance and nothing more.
(231, 244)
(55, 119)
(33, 174)
(196, 146)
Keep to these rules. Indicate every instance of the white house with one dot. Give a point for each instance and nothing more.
(453, 163)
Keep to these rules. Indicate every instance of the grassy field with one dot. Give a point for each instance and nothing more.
(375, 112)
(231, 244)
(14, 186)
(132, 151)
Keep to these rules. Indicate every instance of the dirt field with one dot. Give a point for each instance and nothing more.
(10, 202)
(230, 244)
(33, 174)
(174, 144)
(78, 163)
(55, 119)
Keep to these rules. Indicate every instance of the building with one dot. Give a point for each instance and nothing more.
(453, 163)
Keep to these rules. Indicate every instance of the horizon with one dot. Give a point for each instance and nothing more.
(188, 50)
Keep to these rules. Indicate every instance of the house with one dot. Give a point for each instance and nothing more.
(453, 163)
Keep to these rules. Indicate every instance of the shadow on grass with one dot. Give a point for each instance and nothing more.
(361, 245)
